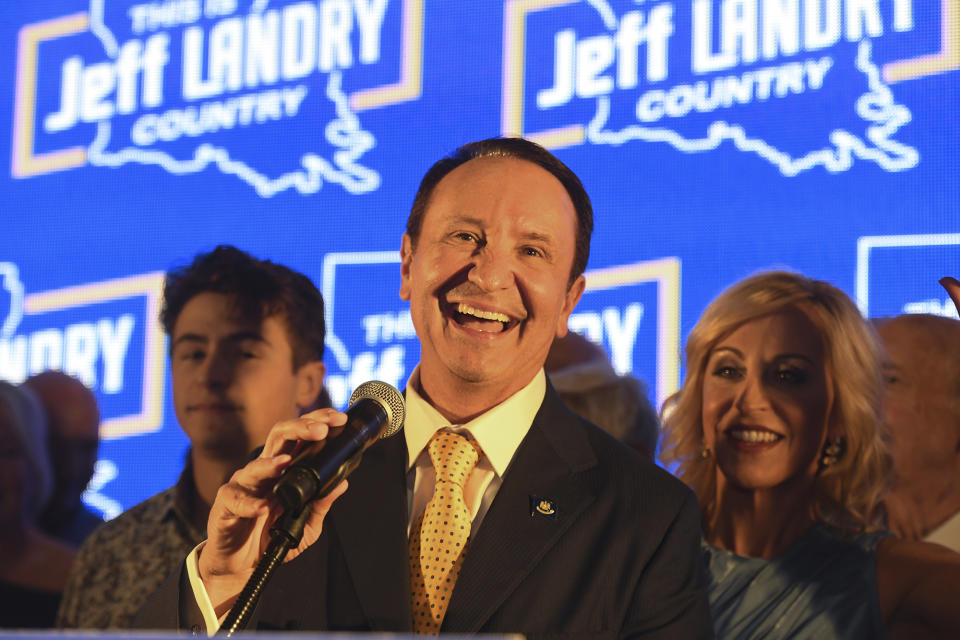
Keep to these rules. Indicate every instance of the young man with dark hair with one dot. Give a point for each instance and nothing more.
(246, 349)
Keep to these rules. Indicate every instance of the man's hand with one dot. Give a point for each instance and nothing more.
(953, 289)
(245, 508)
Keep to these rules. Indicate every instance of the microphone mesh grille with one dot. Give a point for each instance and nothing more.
(388, 397)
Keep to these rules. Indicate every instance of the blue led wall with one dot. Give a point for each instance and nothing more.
(716, 138)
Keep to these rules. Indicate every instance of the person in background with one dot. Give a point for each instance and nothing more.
(33, 566)
(922, 411)
(323, 401)
(583, 376)
(246, 351)
(73, 424)
(777, 428)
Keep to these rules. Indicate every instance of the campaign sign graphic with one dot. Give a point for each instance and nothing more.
(361, 291)
(900, 274)
(701, 74)
(106, 334)
(11, 299)
(174, 84)
(633, 311)
(716, 138)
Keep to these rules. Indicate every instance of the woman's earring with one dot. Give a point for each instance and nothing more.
(704, 449)
(833, 450)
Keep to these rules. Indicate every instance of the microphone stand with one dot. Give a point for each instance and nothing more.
(285, 534)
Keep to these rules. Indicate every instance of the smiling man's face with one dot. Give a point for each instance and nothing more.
(488, 278)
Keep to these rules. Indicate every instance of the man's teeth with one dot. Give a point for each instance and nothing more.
(754, 436)
(483, 315)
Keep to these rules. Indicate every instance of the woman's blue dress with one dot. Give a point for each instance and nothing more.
(822, 587)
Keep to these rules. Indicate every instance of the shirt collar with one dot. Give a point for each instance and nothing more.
(179, 503)
(499, 431)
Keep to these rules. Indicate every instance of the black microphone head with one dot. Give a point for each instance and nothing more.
(387, 397)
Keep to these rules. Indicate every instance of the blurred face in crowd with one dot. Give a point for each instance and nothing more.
(766, 401)
(488, 278)
(922, 396)
(233, 376)
(13, 472)
(73, 421)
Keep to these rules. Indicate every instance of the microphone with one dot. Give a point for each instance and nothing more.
(376, 411)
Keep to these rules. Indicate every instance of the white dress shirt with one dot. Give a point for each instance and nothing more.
(499, 433)
(948, 533)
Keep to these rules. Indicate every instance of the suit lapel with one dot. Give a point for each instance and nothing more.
(512, 540)
(371, 520)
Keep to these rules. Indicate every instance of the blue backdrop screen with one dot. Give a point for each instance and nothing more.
(716, 138)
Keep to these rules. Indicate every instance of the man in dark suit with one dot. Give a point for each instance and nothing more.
(569, 531)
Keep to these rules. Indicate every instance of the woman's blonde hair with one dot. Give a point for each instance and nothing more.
(847, 493)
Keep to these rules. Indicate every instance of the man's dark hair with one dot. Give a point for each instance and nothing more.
(522, 150)
(260, 288)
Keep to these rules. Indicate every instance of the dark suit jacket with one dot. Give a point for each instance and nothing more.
(620, 557)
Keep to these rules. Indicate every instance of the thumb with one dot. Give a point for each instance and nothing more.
(953, 289)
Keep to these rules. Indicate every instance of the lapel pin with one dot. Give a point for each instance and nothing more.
(542, 507)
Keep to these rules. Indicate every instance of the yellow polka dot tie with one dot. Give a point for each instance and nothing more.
(439, 539)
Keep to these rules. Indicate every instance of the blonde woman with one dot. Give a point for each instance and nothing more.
(777, 431)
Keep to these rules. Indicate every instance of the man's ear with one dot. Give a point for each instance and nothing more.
(309, 383)
(570, 300)
(406, 256)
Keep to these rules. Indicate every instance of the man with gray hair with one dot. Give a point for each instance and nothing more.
(922, 412)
